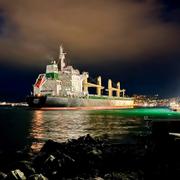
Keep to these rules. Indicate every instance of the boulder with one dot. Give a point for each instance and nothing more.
(26, 167)
(37, 177)
(2, 175)
(16, 175)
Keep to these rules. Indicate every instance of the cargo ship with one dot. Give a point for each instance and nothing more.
(63, 86)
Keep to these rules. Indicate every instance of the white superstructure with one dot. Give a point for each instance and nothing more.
(64, 82)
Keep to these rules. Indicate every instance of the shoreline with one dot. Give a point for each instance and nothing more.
(155, 156)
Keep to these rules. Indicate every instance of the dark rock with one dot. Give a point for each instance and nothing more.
(79, 178)
(51, 146)
(98, 178)
(16, 175)
(95, 152)
(37, 177)
(63, 164)
(39, 160)
(50, 159)
(87, 139)
(2, 175)
(107, 176)
(9, 160)
(54, 165)
(26, 167)
(127, 175)
(90, 158)
(50, 166)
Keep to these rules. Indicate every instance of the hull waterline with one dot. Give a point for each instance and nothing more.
(62, 103)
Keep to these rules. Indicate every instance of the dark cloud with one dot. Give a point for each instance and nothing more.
(90, 30)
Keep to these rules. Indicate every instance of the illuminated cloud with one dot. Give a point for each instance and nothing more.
(89, 30)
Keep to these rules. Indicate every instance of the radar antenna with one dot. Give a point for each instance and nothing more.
(61, 58)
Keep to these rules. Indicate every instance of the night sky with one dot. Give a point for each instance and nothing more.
(136, 42)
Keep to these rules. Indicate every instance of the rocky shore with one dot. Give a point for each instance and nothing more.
(156, 156)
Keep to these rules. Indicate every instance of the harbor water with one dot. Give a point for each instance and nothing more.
(22, 127)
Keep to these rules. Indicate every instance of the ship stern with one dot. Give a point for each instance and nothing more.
(36, 101)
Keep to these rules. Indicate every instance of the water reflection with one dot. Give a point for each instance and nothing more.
(63, 125)
(21, 126)
(37, 130)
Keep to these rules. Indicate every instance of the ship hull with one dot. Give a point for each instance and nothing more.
(50, 101)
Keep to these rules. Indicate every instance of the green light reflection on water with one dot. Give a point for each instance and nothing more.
(164, 113)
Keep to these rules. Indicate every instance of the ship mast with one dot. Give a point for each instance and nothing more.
(61, 58)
